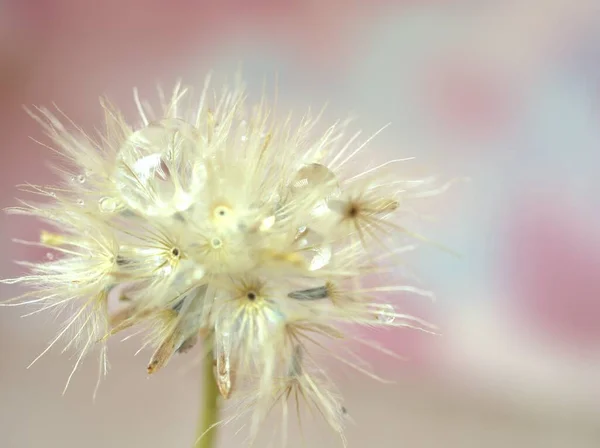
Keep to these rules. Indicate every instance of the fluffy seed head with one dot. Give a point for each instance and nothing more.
(217, 222)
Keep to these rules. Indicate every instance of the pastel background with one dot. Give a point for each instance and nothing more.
(505, 92)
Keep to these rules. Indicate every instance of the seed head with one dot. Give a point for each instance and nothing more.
(215, 222)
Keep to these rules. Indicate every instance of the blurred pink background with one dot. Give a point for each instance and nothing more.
(505, 92)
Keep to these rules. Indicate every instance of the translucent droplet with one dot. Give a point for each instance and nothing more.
(80, 202)
(50, 256)
(198, 273)
(81, 179)
(312, 246)
(160, 168)
(267, 223)
(317, 185)
(108, 204)
(315, 175)
(321, 256)
(386, 314)
(242, 131)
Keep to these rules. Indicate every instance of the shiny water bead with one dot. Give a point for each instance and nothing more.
(243, 131)
(315, 176)
(386, 314)
(108, 204)
(160, 168)
(314, 249)
(316, 184)
(321, 257)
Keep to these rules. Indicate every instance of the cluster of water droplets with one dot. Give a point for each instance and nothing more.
(160, 171)
(316, 179)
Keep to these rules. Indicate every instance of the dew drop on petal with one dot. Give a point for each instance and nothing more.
(198, 273)
(80, 202)
(50, 256)
(321, 256)
(81, 179)
(315, 176)
(267, 223)
(317, 185)
(160, 168)
(386, 314)
(242, 131)
(316, 252)
(108, 204)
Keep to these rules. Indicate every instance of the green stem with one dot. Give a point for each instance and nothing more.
(209, 408)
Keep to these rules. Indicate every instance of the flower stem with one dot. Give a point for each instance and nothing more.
(209, 407)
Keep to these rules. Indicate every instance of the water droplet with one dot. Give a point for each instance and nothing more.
(160, 168)
(198, 273)
(315, 185)
(80, 202)
(320, 258)
(313, 247)
(315, 175)
(108, 204)
(242, 131)
(50, 256)
(267, 223)
(81, 179)
(386, 314)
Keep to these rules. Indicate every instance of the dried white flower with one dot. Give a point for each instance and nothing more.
(220, 223)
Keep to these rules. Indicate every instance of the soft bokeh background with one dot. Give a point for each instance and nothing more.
(506, 92)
